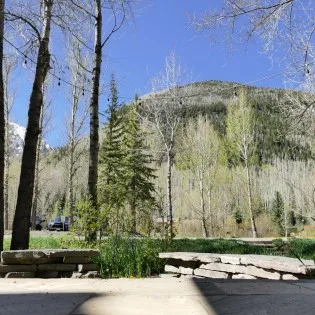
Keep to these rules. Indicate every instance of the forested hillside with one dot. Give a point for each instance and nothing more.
(209, 181)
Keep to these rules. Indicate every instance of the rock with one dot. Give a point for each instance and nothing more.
(76, 275)
(32, 261)
(20, 275)
(210, 274)
(76, 260)
(17, 268)
(169, 268)
(284, 264)
(202, 257)
(261, 273)
(243, 276)
(186, 271)
(87, 267)
(47, 253)
(230, 259)
(181, 263)
(249, 270)
(90, 275)
(224, 267)
(288, 276)
(57, 267)
(46, 274)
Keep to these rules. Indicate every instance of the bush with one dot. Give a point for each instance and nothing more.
(131, 257)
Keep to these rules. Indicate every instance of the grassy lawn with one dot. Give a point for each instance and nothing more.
(133, 257)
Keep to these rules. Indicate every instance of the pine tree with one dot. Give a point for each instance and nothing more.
(139, 173)
(112, 173)
(277, 213)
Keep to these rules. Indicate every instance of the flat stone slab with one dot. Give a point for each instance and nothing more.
(284, 264)
(275, 263)
(20, 275)
(170, 268)
(47, 253)
(76, 260)
(16, 268)
(57, 267)
(202, 257)
(210, 274)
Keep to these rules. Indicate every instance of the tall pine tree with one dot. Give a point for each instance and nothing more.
(112, 173)
(139, 173)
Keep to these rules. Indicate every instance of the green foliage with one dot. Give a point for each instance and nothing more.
(131, 257)
(86, 219)
(238, 216)
(277, 213)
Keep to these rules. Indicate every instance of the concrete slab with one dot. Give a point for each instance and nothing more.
(155, 296)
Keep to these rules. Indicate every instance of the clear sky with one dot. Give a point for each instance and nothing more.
(138, 53)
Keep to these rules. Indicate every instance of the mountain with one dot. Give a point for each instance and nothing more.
(17, 135)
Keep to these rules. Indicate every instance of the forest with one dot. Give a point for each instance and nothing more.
(189, 158)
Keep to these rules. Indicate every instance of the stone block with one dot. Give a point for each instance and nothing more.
(32, 261)
(230, 259)
(169, 268)
(186, 271)
(17, 268)
(65, 274)
(20, 275)
(243, 276)
(76, 260)
(288, 276)
(283, 264)
(47, 253)
(261, 273)
(46, 274)
(57, 267)
(210, 274)
(183, 263)
(87, 267)
(224, 267)
(199, 257)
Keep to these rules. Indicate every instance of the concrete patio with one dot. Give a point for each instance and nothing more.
(156, 296)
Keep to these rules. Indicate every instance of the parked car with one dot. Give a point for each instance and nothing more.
(59, 224)
(39, 221)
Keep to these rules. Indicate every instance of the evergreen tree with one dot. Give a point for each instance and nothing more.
(139, 173)
(277, 213)
(112, 173)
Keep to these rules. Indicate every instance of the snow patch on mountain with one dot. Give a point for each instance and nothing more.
(17, 135)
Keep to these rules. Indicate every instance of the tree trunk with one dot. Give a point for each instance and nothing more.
(71, 159)
(250, 201)
(94, 121)
(202, 207)
(2, 126)
(20, 233)
(169, 193)
(35, 193)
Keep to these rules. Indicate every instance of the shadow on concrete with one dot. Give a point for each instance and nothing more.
(42, 303)
(255, 297)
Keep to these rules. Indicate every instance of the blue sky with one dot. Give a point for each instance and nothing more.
(138, 53)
